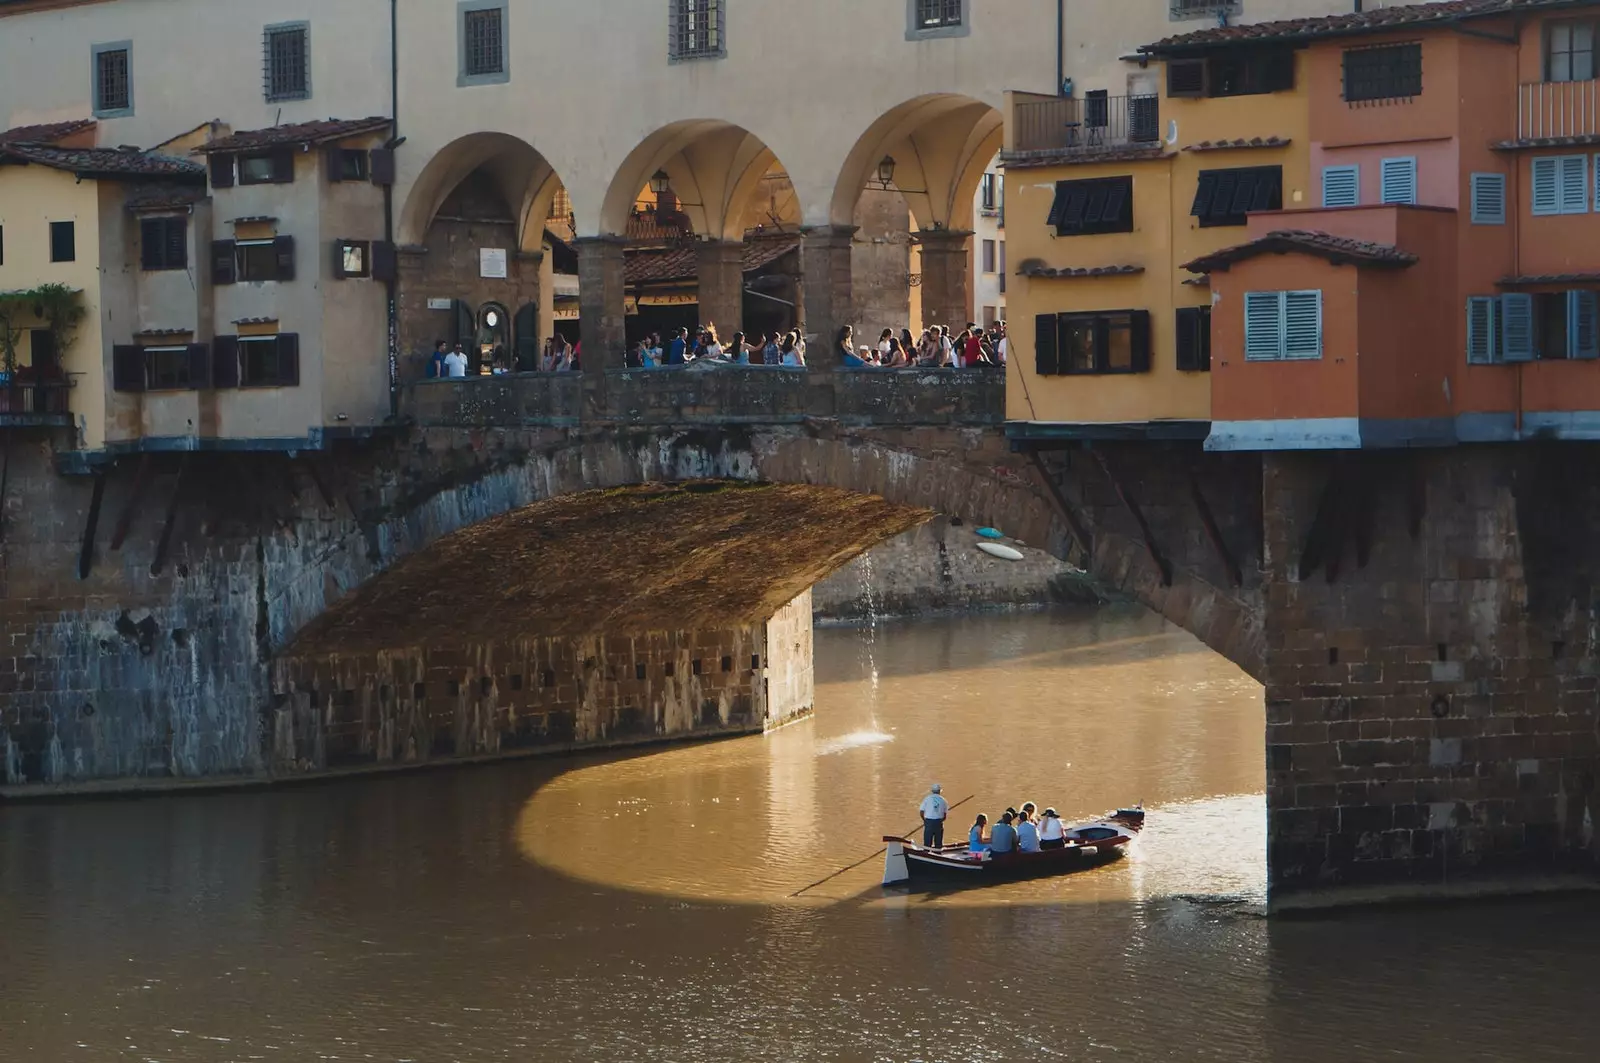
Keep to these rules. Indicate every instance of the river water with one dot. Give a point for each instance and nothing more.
(642, 907)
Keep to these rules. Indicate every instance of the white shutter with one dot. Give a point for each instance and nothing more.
(1302, 324)
(1483, 346)
(1574, 170)
(1399, 180)
(1488, 199)
(1516, 327)
(1546, 194)
(1263, 326)
(1582, 341)
(1341, 186)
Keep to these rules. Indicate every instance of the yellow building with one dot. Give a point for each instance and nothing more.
(1108, 196)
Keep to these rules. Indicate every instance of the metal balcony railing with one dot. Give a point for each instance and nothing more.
(1550, 109)
(1089, 124)
(34, 402)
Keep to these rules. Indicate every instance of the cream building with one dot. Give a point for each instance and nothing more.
(527, 103)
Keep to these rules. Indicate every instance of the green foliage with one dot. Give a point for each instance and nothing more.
(58, 306)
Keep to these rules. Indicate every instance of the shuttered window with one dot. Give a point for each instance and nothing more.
(1392, 71)
(1561, 184)
(1194, 339)
(1488, 199)
(1101, 205)
(1046, 362)
(1282, 326)
(1583, 340)
(1107, 341)
(269, 361)
(1227, 197)
(1399, 180)
(1516, 327)
(1341, 186)
(163, 243)
(1483, 333)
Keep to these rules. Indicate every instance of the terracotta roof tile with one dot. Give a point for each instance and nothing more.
(45, 134)
(1548, 278)
(1336, 249)
(1240, 144)
(1377, 21)
(103, 162)
(1022, 160)
(683, 264)
(164, 196)
(301, 133)
(1581, 141)
(1035, 268)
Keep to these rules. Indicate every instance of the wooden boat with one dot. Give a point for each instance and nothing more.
(1088, 845)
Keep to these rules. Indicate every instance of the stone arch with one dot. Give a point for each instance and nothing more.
(524, 178)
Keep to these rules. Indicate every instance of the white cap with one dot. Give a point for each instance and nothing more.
(935, 787)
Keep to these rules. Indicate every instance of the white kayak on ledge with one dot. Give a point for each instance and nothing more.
(1002, 551)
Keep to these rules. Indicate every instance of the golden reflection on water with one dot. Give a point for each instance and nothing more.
(1084, 715)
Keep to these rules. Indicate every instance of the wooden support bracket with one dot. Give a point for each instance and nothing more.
(322, 486)
(1214, 533)
(124, 522)
(165, 541)
(1128, 503)
(86, 554)
(1075, 524)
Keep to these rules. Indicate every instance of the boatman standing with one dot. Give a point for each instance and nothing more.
(934, 809)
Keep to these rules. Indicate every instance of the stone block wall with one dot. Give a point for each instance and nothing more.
(790, 680)
(1431, 664)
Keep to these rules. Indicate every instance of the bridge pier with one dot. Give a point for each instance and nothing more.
(946, 278)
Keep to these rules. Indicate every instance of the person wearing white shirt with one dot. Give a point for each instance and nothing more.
(934, 808)
(455, 363)
(1052, 832)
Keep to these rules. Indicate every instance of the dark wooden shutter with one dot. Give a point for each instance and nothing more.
(283, 248)
(199, 366)
(151, 244)
(1186, 77)
(288, 359)
(222, 170)
(1205, 191)
(381, 166)
(224, 263)
(127, 368)
(283, 166)
(1140, 320)
(385, 261)
(177, 234)
(1046, 359)
(225, 362)
(333, 162)
(1188, 338)
(1277, 71)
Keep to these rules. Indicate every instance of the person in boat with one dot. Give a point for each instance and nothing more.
(1030, 812)
(933, 809)
(1003, 836)
(1027, 833)
(1052, 832)
(975, 842)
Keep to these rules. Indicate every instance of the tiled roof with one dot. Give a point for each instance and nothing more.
(126, 163)
(45, 134)
(301, 133)
(1581, 141)
(1035, 268)
(1339, 250)
(683, 264)
(1386, 18)
(1548, 278)
(1241, 143)
(1020, 160)
(164, 196)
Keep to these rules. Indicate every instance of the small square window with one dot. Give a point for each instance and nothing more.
(269, 361)
(63, 241)
(267, 167)
(166, 368)
(350, 164)
(936, 18)
(287, 58)
(258, 260)
(352, 258)
(113, 80)
(482, 45)
(697, 30)
(163, 243)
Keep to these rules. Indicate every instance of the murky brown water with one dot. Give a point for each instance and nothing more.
(640, 908)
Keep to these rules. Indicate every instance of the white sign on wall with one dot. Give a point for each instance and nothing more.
(440, 304)
(492, 262)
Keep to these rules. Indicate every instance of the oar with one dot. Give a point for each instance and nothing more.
(880, 852)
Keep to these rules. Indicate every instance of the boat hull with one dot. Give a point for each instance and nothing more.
(1088, 845)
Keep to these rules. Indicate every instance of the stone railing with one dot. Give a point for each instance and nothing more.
(725, 395)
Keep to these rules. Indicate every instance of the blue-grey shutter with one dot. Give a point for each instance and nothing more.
(1302, 324)
(1574, 170)
(1341, 186)
(1581, 339)
(1546, 196)
(1263, 326)
(1488, 199)
(1399, 180)
(1516, 327)
(1482, 345)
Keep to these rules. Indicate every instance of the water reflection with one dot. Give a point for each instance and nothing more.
(637, 908)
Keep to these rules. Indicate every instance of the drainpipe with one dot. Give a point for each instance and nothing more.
(1061, 45)
(391, 285)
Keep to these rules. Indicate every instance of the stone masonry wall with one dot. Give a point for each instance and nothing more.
(790, 679)
(1430, 665)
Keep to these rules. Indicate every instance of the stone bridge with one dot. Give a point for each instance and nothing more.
(536, 562)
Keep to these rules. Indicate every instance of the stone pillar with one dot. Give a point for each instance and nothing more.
(946, 278)
(721, 268)
(825, 305)
(602, 320)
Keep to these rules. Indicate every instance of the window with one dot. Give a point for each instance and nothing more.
(269, 361)
(1281, 326)
(1398, 178)
(352, 258)
(1488, 199)
(266, 167)
(931, 14)
(63, 241)
(989, 256)
(1099, 205)
(1341, 186)
(1569, 50)
(484, 58)
(166, 368)
(252, 260)
(163, 243)
(286, 61)
(1561, 184)
(1182, 9)
(1225, 197)
(696, 31)
(1546, 326)
(348, 164)
(1388, 72)
(989, 193)
(1483, 332)
(1194, 339)
(113, 80)
(1109, 341)
(1002, 267)
(1234, 73)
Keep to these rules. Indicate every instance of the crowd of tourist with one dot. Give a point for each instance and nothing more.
(936, 348)
(707, 348)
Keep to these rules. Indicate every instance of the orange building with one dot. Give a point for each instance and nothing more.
(1444, 289)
